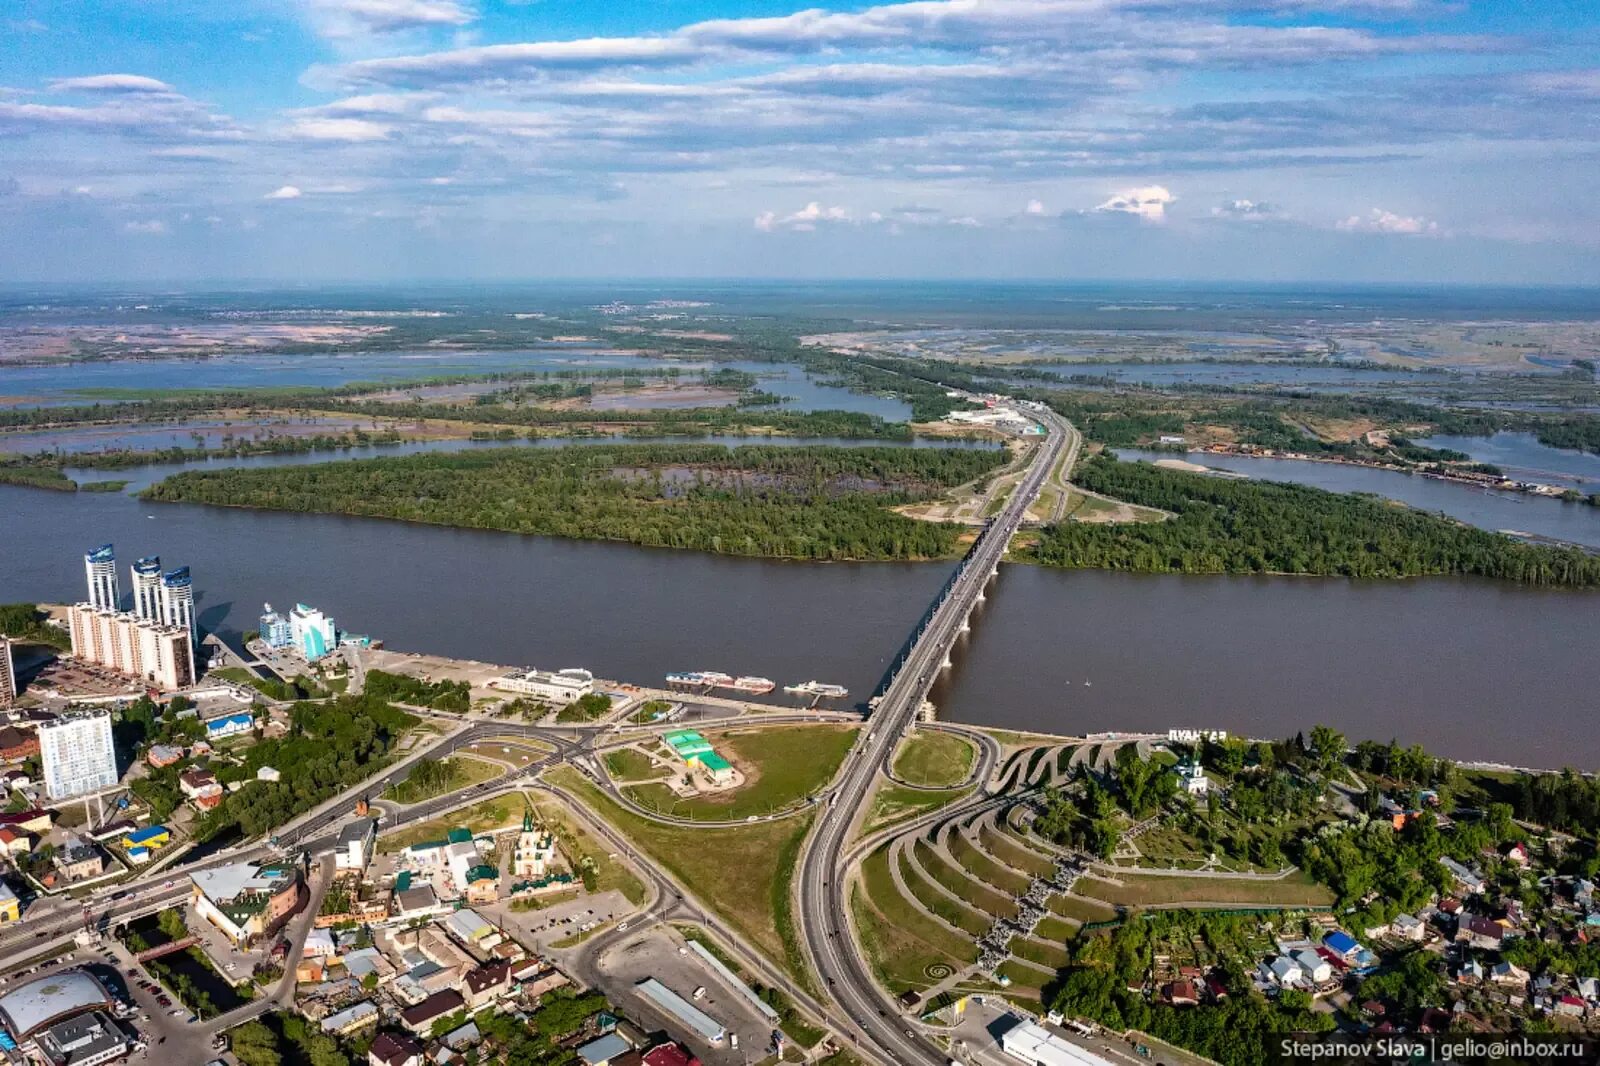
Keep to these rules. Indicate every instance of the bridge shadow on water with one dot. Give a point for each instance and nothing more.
(956, 648)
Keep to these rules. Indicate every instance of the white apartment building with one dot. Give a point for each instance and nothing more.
(160, 654)
(146, 575)
(100, 567)
(78, 755)
(8, 673)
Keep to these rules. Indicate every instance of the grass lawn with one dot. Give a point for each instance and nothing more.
(490, 814)
(896, 803)
(959, 915)
(968, 888)
(1055, 930)
(1138, 890)
(935, 760)
(901, 944)
(609, 872)
(1084, 910)
(429, 778)
(985, 868)
(1005, 847)
(743, 871)
(1036, 951)
(632, 765)
(781, 765)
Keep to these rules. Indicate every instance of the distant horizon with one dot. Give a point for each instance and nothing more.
(1362, 141)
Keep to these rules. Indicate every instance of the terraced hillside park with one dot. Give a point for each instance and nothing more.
(988, 890)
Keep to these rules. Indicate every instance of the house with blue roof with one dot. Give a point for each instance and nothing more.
(230, 725)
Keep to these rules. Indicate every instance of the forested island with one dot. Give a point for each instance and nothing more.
(800, 503)
(1224, 526)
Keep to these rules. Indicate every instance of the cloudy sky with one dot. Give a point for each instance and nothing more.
(1375, 140)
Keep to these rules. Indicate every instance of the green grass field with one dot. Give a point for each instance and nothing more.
(896, 803)
(1006, 847)
(934, 760)
(445, 775)
(742, 872)
(985, 868)
(609, 872)
(901, 944)
(959, 915)
(781, 765)
(632, 765)
(968, 888)
(1137, 890)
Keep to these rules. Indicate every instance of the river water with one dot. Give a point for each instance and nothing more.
(1472, 669)
(1578, 523)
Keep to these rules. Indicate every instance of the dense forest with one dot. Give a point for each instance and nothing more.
(329, 747)
(1227, 526)
(807, 503)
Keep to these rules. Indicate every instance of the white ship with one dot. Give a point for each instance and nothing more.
(818, 689)
(758, 685)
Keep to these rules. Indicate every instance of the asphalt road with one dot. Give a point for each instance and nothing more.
(879, 1031)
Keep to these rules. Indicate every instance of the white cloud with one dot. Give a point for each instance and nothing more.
(1380, 221)
(283, 192)
(153, 227)
(111, 83)
(355, 18)
(1245, 211)
(348, 130)
(1035, 207)
(804, 220)
(1149, 202)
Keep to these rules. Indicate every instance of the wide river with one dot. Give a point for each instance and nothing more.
(1472, 669)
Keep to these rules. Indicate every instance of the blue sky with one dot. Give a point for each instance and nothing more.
(1359, 140)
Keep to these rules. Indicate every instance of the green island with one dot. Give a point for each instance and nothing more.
(806, 503)
(1229, 526)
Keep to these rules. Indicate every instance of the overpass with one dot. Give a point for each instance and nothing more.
(823, 888)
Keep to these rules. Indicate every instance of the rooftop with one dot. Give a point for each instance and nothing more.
(31, 1006)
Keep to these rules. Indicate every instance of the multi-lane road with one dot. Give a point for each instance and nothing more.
(876, 1029)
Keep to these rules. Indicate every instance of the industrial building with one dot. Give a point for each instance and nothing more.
(1034, 1044)
(8, 673)
(246, 900)
(85, 1040)
(30, 1008)
(676, 1007)
(696, 750)
(78, 755)
(560, 686)
(160, 654)
(312, 632)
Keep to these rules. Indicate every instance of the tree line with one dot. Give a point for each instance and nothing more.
(809, 503)
(1222, 525)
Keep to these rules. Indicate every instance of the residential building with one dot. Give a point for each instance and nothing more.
(8, 673)
(199, 784)
(1285, 972)
(1313, 967)
(10, 906)
(78, 860)
(486, 984)
(151, 836)
(150, 651)
(269, 774)
(17, 744)
(161, 755)
(177, 600)
(78, 755)
(420, 1018)
(394, 1049)
(352, 1019)
(1469, 879)
(312, 632)
(147, 588)
(559, 686)
(1408, 927)
(275, 629)
(603, 1050)
(14, 842)
(246, 900)
(354, 849)
(100, 567)
(29, 821)
(1480, 932)
(230, 725)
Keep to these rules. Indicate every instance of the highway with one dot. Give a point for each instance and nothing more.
(879, 1031)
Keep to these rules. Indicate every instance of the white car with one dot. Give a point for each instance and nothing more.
(699, 993)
